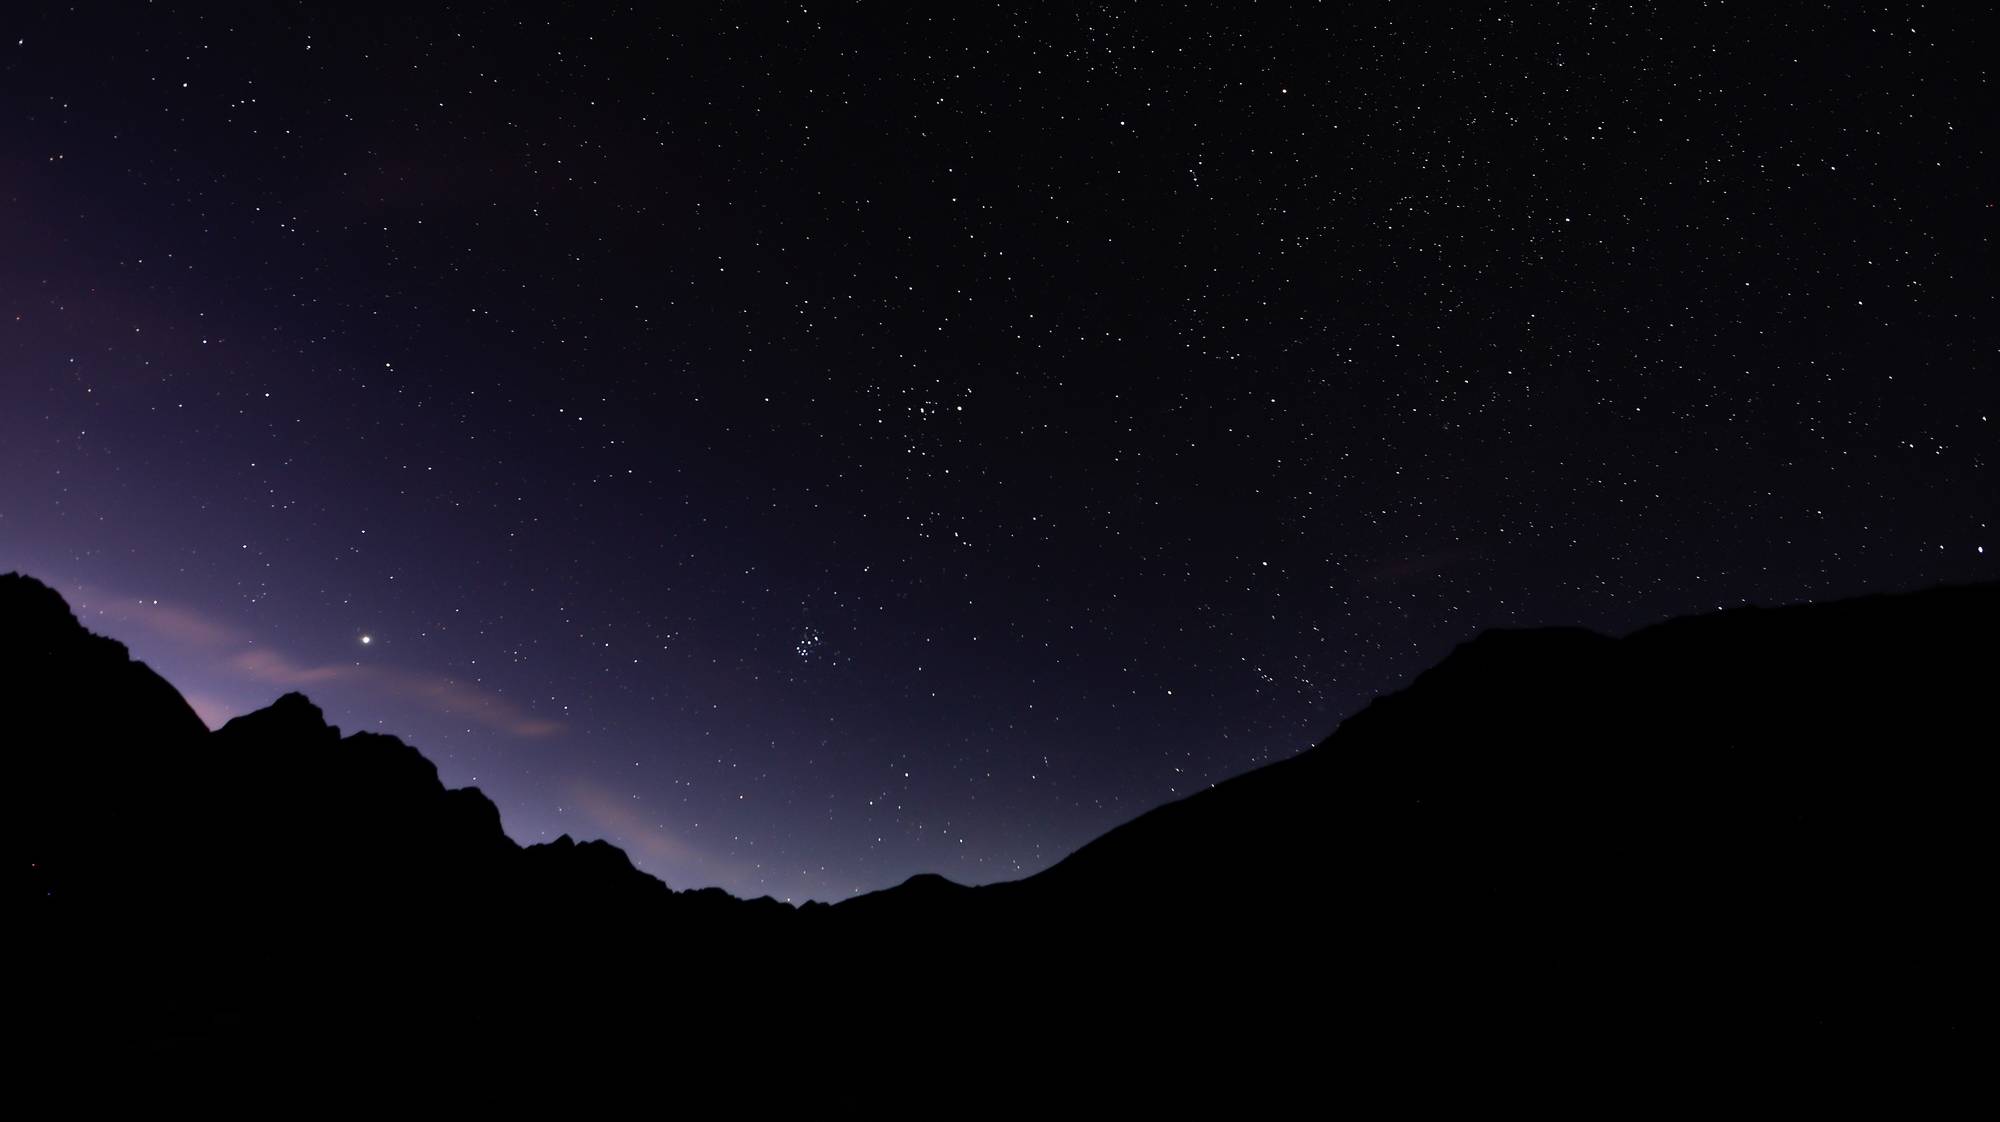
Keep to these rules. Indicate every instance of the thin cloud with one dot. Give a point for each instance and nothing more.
(267, 665)
(448, 696)
(233, 652)
(621, 818)
(183, 626)
(456, 698)
(213, 711)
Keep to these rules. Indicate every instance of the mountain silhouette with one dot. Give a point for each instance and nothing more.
(1752, 832)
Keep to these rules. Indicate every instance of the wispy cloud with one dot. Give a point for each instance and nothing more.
(449, 696)
(214, 712)
(663, 853)
(184, 626)
(235, 654)
(267, 665)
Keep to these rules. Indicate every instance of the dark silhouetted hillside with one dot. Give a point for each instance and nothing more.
(1758, 829)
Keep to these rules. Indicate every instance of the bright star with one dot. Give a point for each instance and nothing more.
(367, 639)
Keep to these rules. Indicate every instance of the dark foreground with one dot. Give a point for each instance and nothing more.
(1750, 847)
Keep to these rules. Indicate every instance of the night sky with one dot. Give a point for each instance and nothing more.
(809, 446)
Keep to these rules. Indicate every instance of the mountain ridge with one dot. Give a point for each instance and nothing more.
(1548, 830)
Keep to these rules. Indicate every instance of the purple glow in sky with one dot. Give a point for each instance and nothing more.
(811, 448)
